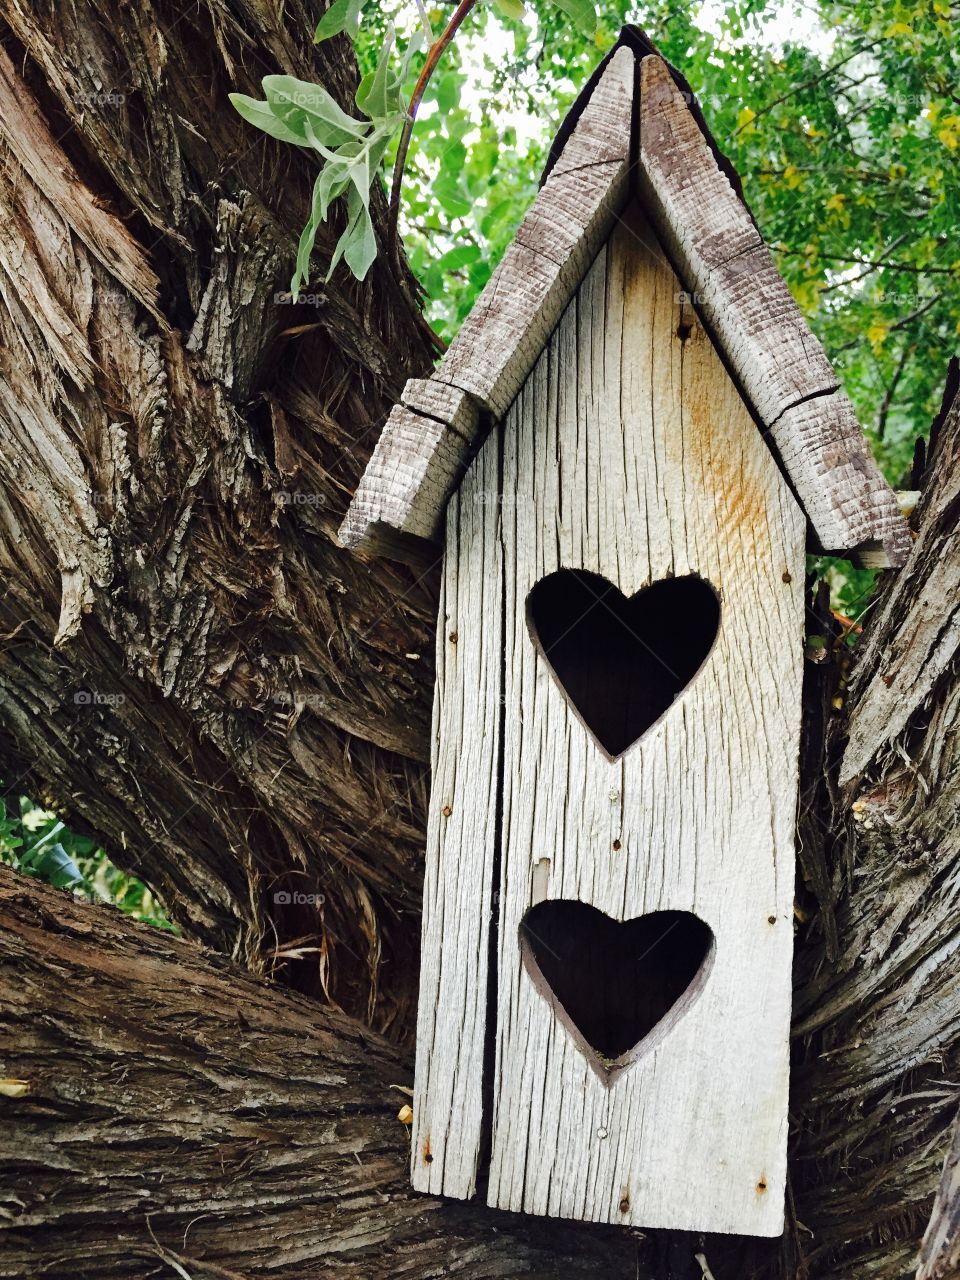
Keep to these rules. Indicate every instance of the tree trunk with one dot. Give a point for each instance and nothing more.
(877, 1014)
(191, 668)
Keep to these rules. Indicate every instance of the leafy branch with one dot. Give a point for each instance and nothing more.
(350, 150)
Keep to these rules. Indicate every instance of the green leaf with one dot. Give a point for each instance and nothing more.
(358, 244)
(373, 93)
(511, 9)
(461, 256)
(343, 15)
(290, 99)
(260, 114)
(454, 158)
(360, 250)
(359, 161)
(582, 12)
(53, 865)
(331, 182)
(447, 90)
(447, 191)
(414, 45)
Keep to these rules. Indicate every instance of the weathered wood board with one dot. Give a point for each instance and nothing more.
(628, 453)
(783, 369)
(461, 842)
(636, 136)
(421, 452)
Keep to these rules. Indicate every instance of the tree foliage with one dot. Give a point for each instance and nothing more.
(35, 842)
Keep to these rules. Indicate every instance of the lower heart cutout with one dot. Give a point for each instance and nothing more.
(622, 662)
(618, 988)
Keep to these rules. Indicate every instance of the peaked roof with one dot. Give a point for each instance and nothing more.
(635, 131)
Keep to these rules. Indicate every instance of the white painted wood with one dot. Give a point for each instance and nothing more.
(461, 842)
(629, 453)
(782, 368)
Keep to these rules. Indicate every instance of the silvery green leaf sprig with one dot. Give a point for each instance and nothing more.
(350, 150)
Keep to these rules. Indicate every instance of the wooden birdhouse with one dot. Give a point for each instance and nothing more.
(625, 454)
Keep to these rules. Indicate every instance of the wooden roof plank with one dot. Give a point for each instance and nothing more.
(781, 367)
(449, 405)
(500, 340)
(717, 251)
(570, 219)
(416, 465)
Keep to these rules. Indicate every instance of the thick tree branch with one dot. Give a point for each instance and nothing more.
(940, 1257)
(182, 1110)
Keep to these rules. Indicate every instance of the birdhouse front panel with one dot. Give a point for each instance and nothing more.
(653, 629)
(607, 928)
(616, 773)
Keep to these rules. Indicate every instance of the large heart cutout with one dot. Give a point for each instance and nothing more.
(618, 987)
(621, 663)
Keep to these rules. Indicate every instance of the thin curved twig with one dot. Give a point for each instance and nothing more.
(433, 57)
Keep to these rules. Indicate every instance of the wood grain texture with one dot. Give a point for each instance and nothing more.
(781, 366)
(186, 1118)
(174, 465)
(566, 225)
(461, 842)
(416, 464)
(449, 405)
(877, 1018)
(419, 458)
(630, 454)
(927, 641)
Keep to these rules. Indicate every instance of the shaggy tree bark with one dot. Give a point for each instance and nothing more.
(191, 667)
(877, 1010)
(182, 1111)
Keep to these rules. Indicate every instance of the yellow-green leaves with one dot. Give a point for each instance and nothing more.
(514, 9)
(949, 132)
(877, 336)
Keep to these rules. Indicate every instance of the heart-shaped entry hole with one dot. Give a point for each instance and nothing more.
(618, 987)
(621, 662)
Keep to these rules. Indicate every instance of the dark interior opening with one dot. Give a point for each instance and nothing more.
(615, 982)
(622, 662)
